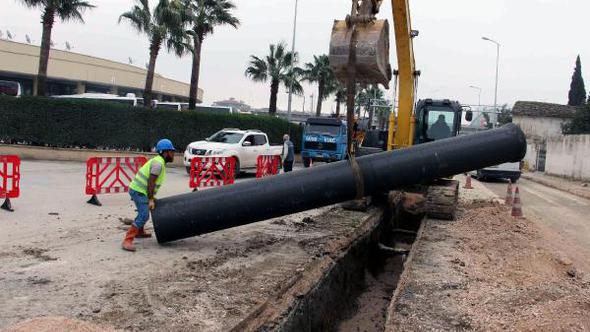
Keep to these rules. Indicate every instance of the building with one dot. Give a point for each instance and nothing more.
(233, 103)
(540, 122)
(74, 73)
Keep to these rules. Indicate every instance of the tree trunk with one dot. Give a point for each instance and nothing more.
(149, 80)
(318, 111)
(194, 90)
(371, 115)
(47, 20)
(338, 107)
(274, 90)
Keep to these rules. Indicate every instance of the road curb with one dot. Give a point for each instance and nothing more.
(552, 185)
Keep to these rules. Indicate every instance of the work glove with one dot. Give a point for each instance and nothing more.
(152, 204)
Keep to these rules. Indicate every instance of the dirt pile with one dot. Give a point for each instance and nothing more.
(488, 271)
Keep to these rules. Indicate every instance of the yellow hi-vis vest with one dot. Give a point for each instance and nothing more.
(140, 182)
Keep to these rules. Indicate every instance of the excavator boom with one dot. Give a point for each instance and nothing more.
(401, 136)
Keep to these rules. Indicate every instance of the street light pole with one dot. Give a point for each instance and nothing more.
(292, 65)
(479, 98)
(497, 71)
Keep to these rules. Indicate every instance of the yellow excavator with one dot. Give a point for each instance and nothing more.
(359, 54)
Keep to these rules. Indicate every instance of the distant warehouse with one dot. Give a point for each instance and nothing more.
(72, 73)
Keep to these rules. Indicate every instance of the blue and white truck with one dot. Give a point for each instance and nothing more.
(324, 139)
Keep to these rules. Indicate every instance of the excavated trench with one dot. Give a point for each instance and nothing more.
(356, 293)
(352, 287)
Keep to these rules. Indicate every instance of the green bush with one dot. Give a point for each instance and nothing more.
(580, 123)
(91, 124)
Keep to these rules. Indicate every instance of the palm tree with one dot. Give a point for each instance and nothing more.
(166, 25)
(339, 91)
(320, 72)
(66, 10)
(276, 67)
(369, 97)
(206, 14)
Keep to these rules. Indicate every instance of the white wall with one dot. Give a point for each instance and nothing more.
(539, 127)
(569, 156)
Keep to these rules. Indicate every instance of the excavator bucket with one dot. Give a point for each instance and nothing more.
(372, 52)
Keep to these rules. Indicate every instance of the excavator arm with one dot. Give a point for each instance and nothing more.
(402, 135)
(367, 38)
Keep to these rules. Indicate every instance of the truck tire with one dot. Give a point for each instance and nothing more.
(306, 162)
(188, 170)
(514, 179)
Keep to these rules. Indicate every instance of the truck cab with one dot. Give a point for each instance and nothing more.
(324, 139)
(437, 119)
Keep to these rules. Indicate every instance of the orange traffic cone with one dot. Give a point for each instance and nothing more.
(509, 193)
(468, 182)
(516, 205)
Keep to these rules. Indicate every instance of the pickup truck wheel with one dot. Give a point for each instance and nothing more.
(188, 170)
(306, 162)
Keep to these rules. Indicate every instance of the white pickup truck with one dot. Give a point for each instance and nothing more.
(244, 145)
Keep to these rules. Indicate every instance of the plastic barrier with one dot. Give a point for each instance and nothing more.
(110, 175)
(9, 180)
(267, 165)
(208, 172)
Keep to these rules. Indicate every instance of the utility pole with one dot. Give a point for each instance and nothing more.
(292, 65)
(303, 103)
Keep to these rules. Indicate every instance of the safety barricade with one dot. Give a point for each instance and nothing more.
(267, 165)
(110, 175)
(209, 172)
(9, 180)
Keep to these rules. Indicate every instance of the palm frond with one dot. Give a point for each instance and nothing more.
(72, 10)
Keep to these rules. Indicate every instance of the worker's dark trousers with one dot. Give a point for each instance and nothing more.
(288, 166)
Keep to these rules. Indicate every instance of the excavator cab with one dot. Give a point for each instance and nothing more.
(437, 119)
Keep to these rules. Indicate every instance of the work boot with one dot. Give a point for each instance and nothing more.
(142, 234)
(128, 242)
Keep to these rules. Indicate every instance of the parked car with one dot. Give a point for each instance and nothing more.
(510, 171)
(244, 145)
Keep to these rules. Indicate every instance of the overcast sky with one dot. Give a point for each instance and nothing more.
(540, 40)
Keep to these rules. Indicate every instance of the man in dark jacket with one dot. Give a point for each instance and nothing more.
(288, 155)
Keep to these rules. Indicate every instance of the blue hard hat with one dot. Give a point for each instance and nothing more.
(164, 145)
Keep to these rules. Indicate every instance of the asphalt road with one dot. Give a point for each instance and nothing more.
(563, 213)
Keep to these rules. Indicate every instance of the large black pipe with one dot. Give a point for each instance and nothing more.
(187, 215)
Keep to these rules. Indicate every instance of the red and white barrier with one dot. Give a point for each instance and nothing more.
(9, 180)
(267, 165)
(110, 175)
(210, 172)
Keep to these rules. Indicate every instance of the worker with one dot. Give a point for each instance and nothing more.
(439, 129)
(288, 155)
(143, 189)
